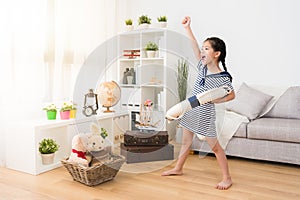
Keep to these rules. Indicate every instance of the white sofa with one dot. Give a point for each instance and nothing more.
(273, 136)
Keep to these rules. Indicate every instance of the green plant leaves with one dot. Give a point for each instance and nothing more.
(47, 146)
(182, 76)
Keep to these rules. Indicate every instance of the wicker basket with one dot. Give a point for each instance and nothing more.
(96, 174)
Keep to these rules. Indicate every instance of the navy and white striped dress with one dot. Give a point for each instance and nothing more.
(201, 119)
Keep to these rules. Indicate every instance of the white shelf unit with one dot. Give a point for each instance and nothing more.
(23, 137)
(150, 73)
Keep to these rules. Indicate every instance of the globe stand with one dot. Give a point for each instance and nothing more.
(107, 109)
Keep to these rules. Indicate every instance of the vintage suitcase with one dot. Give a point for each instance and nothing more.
(136, 154)
(149, 138)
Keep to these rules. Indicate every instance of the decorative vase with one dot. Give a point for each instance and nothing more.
(150, 54)
(51, 115)
(65, 114)
(47, 159)
(72, 114)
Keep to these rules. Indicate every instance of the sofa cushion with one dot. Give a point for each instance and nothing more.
(241, 131)
(277, 129)
(288, 105)
(248, 102)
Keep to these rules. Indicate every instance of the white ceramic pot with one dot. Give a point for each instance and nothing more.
(162, 24)
(150, 54)
(47, 159)
(129, 27)
(143, 26)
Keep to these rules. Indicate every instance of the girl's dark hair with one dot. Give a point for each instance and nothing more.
(219, 45)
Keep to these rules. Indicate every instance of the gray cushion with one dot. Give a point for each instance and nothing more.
(241, 131)
(276, 129)
(288, 105)
(248, 102)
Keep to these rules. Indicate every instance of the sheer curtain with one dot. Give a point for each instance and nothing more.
(43, 44)
(75, 29)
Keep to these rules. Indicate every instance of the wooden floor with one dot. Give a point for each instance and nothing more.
(252, 180)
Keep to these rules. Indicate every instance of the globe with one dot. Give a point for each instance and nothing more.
(109, 94)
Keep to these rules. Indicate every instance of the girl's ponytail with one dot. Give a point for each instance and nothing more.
(225, 68)
(224, 65)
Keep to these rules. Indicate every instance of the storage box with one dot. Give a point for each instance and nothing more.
(135, 154)
(150, 138)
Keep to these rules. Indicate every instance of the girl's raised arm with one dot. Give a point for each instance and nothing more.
(186, 22)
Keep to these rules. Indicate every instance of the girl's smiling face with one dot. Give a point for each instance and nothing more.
(208, 55)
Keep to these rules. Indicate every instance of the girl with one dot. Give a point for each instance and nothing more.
(201, 120)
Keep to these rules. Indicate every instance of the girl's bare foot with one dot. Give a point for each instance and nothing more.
(224, 184)
(172, 172)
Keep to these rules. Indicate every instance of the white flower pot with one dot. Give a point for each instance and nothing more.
(150, 54)
(162, 24)
(129, 27)
(143, 26)
(47, 159)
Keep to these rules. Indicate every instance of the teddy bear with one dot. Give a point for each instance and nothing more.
(90, 148)
(78, 153)
(95, 140)
(97, 144)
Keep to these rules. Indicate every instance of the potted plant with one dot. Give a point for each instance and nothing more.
(129, 25)
(51, 111)
(162, 20)
(73, 110)
(182, 77)
(47, 148)
(144, 21)
(151, 48)
(65, 110)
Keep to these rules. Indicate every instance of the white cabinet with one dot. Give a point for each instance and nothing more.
(23, 137)
(147, 75)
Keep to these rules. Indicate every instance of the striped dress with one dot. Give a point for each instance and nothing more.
(201, 119)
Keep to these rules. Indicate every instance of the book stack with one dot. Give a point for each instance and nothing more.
(131, 53)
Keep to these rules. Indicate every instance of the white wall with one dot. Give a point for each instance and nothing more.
(262, 36)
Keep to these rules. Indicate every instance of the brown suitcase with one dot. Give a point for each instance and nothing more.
(136, 154)
(149, 138)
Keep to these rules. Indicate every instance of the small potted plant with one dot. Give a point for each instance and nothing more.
(144, 21)
(162, 20)
(73, 110)
(151, 48)
(65, 110)
(47, 148)
(129, 26)
(51, 111)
